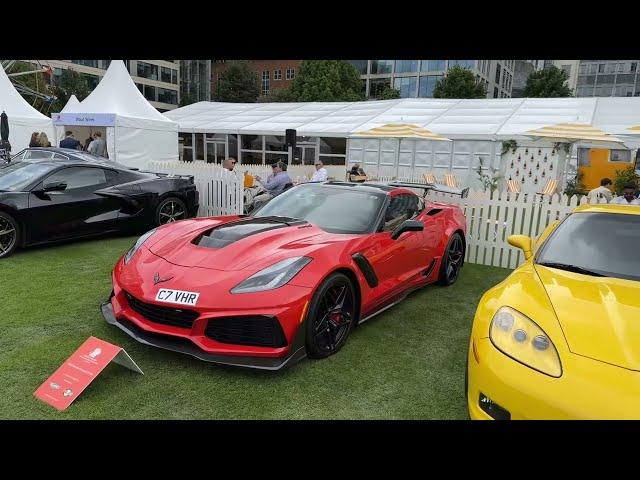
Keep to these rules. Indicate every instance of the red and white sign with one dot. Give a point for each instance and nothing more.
(79, 370)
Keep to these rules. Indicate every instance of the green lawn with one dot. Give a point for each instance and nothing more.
(407, 363)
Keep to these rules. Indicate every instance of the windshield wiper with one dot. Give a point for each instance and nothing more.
(571, 268)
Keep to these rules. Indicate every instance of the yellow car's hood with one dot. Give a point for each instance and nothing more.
(600, 316)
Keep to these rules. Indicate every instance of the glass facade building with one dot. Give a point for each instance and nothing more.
(608, 78)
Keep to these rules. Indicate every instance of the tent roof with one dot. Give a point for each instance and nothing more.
(116, 93)
(13, 103)
(71, 105)
(498, 118)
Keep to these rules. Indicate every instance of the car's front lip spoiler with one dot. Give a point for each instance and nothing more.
(168, 342)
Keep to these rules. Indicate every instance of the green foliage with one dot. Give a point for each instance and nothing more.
(323, 81)
(37, 82)
(548, 83)
(489, 182)
(623, 177)
(239, 84)
(69, 83)
(509, 145)
(575, 186)
(388, 93)
(459, 83)
(186, 99)
(565, 146)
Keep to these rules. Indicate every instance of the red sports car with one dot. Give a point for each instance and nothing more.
(290, 281)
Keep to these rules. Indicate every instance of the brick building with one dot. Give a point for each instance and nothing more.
(272, 74)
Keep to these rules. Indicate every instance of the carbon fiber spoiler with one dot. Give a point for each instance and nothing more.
(436, 187)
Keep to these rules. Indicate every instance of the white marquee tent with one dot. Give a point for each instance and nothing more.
(136, 132)
(23, 118)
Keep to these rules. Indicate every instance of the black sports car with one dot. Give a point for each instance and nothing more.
(52, 194)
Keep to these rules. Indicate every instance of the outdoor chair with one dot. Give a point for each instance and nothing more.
(430, 178)
(513, 186)
(550, 188)
(450, 180)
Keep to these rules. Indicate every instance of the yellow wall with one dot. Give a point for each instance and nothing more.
(600, 168)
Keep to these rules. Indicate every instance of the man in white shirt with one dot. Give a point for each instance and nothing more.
(628, 196)
(321, 174)
(228, 164)
(603, 191)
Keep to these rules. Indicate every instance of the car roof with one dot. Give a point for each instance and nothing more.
(609, 208)
(74, 158)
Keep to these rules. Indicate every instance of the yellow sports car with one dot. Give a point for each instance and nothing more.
(560, 337)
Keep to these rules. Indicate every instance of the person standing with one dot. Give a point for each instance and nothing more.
(34, 140)
(628, 196)
(69, 141)
(98, 147)
(603, 191)
(321, 174)
(44, 140)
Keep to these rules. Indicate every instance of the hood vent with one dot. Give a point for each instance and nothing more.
(228, 233)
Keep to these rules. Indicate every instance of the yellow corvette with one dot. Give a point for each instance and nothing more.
(560, 337)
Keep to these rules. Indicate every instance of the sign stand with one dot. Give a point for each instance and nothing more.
(79, 370)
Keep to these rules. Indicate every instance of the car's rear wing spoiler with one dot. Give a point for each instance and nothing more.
(172, 175)
(436, 187)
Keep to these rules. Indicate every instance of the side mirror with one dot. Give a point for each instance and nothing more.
(407, 226)
(54, 187)
(522, 242)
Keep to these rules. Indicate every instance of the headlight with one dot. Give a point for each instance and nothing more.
(520, 338)
(272, 277)
(136, 246)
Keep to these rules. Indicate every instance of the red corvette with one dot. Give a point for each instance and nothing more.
(290, 281)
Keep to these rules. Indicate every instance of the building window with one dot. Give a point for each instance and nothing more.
(633, 66)
(146, 70)
(601, 68)
(497, 75)
(567, 69)
(377, 85)
(150, 92)
(620, 156)
(406, 85)
(166, 95)
(291, 73)
(495, 92)
(462, 63)
(360, 66)
(381, 66)
(87, 63)
(265, 82)
(277, 74)
(433, 66)
(165, 74)
(406, 66)
(427, 84)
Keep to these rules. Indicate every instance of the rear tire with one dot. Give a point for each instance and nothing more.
(331, 316)
(9, 234)
(452, 261)
(170, 210)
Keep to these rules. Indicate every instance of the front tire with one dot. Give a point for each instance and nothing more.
(331, 316)
(452, 260)
(9, 234)
(170, 210)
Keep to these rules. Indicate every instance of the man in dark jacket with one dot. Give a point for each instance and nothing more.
(70, 142)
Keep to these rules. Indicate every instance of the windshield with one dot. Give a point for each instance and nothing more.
(601, 244)
(17, 176)
(334, 210)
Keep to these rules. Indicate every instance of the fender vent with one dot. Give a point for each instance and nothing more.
(434, 211)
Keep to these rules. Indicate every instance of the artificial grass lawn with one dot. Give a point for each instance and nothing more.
(406, 363)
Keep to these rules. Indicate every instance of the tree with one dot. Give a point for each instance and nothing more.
(388, 93)
(239, 84)
(547, 83)
(459, 83)
(323, 81)
(625, 177)
(69, 83)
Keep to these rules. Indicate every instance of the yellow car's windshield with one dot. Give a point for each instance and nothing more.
(597, 244)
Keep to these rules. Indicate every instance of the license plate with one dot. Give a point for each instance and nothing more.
(179, 297)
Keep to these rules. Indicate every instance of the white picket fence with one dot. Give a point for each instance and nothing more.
(491, 218)
(221, 193)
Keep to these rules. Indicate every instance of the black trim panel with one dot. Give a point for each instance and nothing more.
(366, 269)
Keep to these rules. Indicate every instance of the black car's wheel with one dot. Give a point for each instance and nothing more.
(331, 316)
(170, 210)
(9, 234)
(452, 260)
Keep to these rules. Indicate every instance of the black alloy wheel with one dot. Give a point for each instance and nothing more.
(452, 261)
(8, 234)
(171, 210)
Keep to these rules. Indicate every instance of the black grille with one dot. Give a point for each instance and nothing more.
(254, 330)
(176, 317)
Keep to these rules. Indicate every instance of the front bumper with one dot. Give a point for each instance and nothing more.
(587, 389)
(184, 345)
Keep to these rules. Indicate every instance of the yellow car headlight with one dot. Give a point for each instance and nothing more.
(518, 337)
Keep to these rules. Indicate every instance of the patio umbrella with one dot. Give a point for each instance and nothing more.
(574, 132)
(400, 131)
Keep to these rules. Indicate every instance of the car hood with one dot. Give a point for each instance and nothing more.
(600, 316)
(238, 243)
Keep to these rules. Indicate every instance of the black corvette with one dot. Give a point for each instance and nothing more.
(53, 194)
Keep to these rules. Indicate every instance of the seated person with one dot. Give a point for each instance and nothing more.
(356, 171)
(321, 174)
(628, 196)
(603, 191)
(275, 183)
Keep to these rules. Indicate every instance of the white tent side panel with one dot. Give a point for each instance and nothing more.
(135, 147)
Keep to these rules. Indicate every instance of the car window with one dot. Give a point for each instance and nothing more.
(401, 207)
(19, 175)
(37, 154)
(78, 177)
(59, 156)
